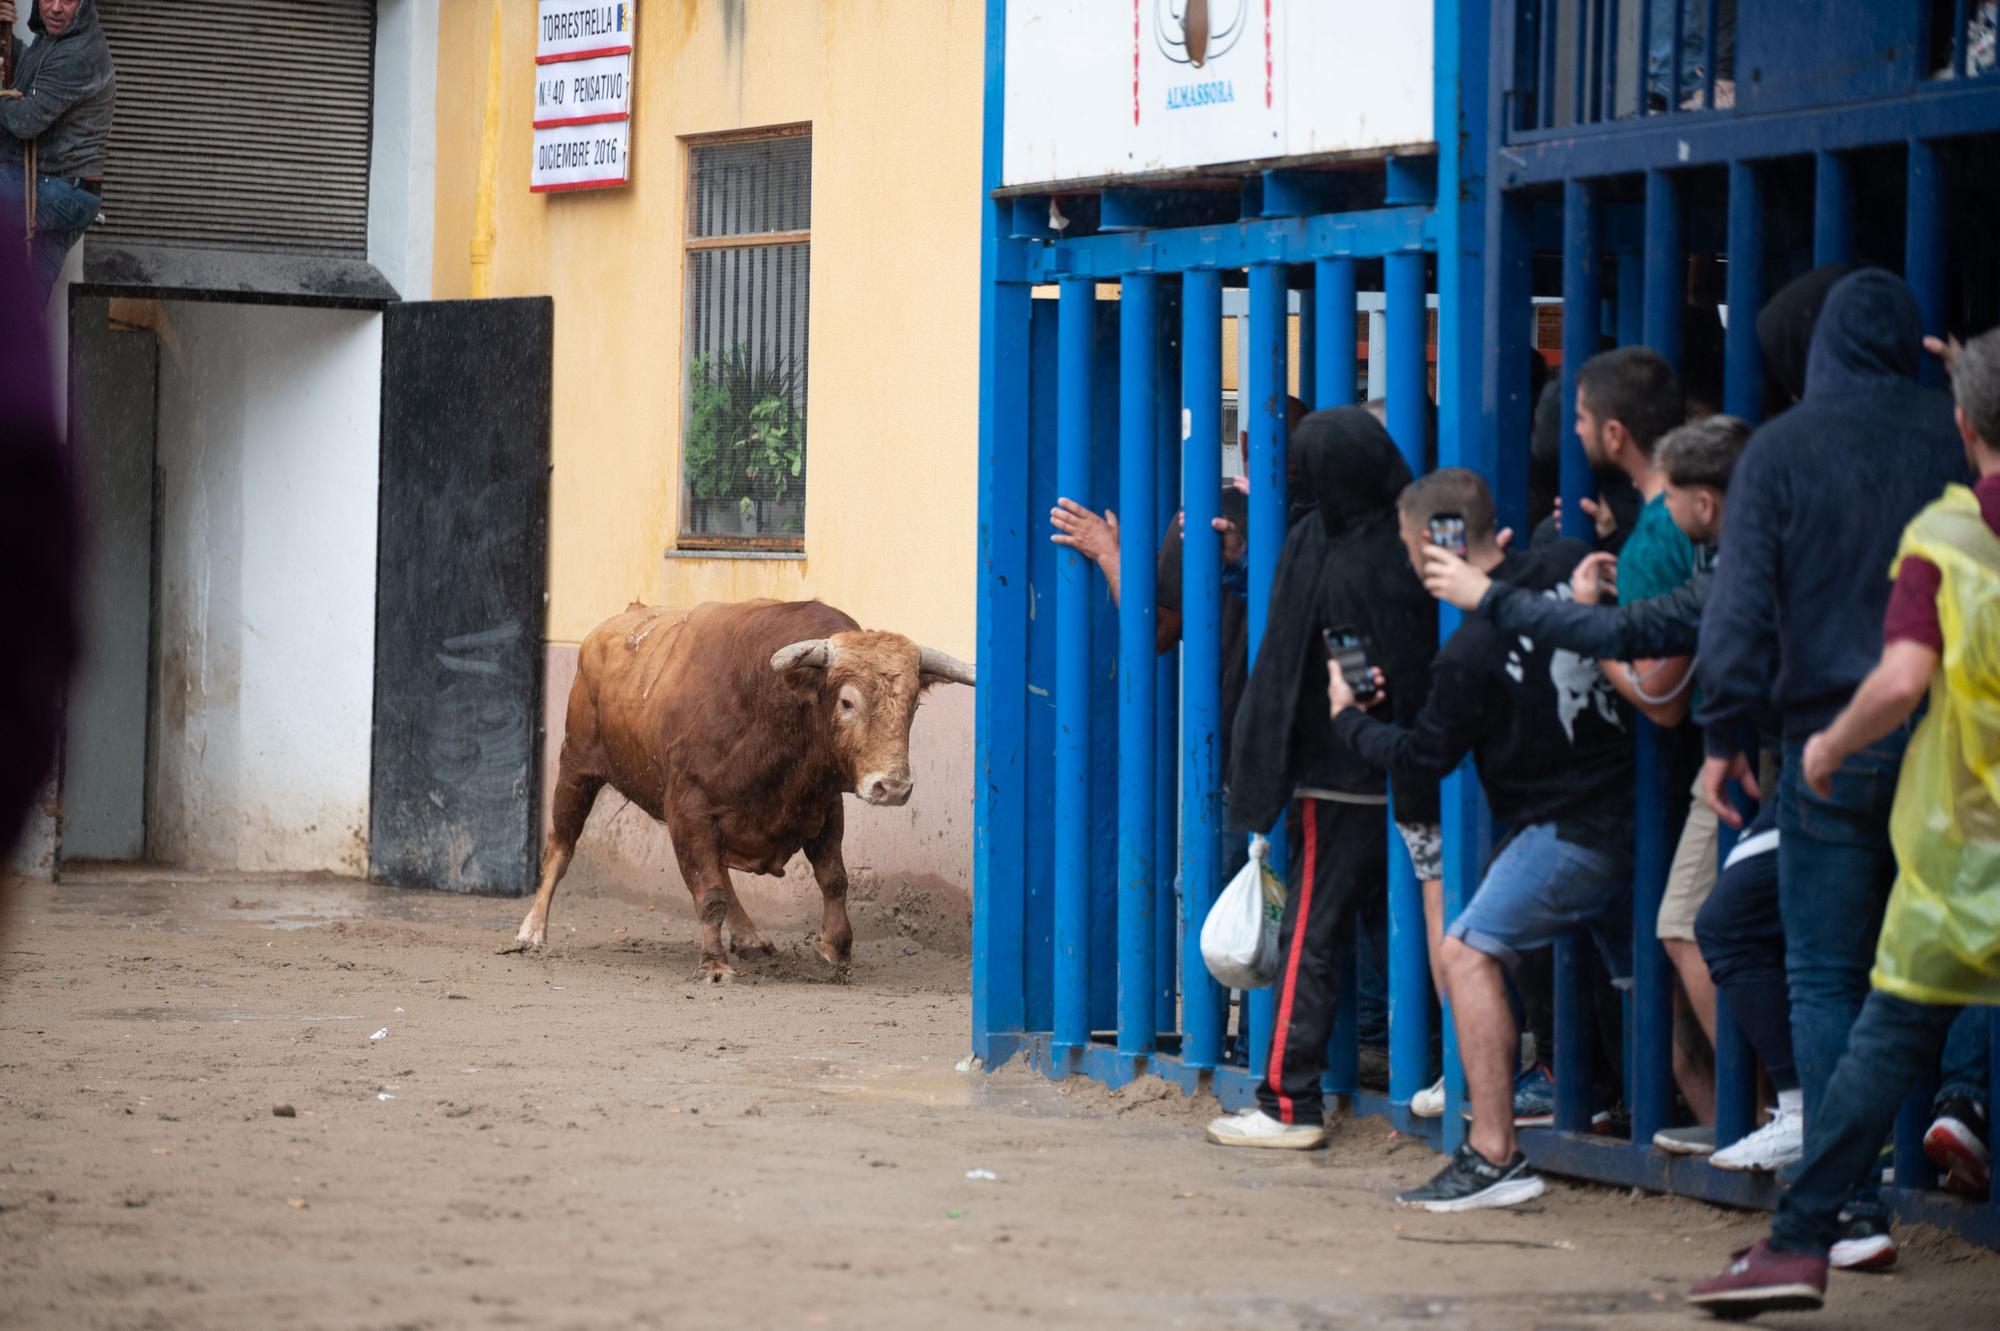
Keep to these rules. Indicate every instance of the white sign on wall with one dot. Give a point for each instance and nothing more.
(583, 92)
(1099, 88)
(583, 95)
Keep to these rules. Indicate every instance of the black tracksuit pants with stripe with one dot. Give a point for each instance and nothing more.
(1339, 854)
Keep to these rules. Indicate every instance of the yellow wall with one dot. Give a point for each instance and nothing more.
(892, 89)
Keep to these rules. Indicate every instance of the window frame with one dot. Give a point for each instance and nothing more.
(692, 144)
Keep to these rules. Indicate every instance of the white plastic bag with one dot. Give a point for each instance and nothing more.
(1239, 939)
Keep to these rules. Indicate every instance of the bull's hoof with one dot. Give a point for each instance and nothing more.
(513, 945)
(754, 946)
(714, 970)
(840, 961)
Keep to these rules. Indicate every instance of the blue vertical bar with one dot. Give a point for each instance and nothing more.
(1203, 1001)
(1708, 57)
(1076, 336)
(1924, 246)
(1408, 367)
(1650, 1054)
(1409, 952)
(1914, 1169)
(1138, 490)
(1000, 709)
(1674, 65)
(1629, 317)
(1643, 77)
(1594, 72)
(1581, 283)
(1167, 675)
(1263, 408)
(1580, 66)
(1665, 265)
(1480, 394)
(1743, 358)
(1581, 290)
(1609, 43)
(1545, 80)
(1833, 209)
(1333, 339)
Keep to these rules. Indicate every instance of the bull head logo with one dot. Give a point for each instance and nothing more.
(1194, 32)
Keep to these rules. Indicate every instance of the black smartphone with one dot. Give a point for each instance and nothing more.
(1349, 655)
(1447, 532)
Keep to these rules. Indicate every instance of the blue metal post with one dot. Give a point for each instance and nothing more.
(1308, 347)
(1333, 338)
(1138, 489)
(1076, 588)
(1628, 301)
(1651, 1052)
(1833, 209)
(1581, 293)
(1924, 245)
(1409, 951)
(1665, 265)
(1581, 289)
(1000, 758)
(1743, 358)
(1263, 409)
(1203, 1001)
(1167, 675)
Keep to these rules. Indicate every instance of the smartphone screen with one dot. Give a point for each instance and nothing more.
(1346, 653)
(1447, 532)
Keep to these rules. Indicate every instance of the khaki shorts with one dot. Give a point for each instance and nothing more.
(1692, 875)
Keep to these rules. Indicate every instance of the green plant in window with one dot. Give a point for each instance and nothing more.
(744, 442)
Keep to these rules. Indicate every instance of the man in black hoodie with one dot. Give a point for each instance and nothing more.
(1548, 735)
(1342, 568)
(1794, 617)
(60, 99)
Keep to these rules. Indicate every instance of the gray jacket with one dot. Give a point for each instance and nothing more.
(69, 89)
(1663, 626)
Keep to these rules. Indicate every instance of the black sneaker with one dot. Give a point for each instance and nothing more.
(1865, 1244)
(1471, 1182)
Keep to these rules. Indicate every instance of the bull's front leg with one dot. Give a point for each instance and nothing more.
(836, 934)
(699, 851)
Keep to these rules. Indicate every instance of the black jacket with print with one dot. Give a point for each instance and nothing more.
(1550, 737)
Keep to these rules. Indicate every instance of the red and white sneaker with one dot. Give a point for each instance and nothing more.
(1761, 1279)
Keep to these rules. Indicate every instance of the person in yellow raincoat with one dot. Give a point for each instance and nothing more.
(1939, 951)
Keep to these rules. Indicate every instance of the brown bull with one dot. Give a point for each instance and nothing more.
(739, 727)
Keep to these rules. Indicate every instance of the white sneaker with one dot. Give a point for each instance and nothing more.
(1771, 1147)
(1254, 1127)
(1429, 1102)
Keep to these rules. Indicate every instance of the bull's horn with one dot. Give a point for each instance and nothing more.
(812, 654)
(932, 662)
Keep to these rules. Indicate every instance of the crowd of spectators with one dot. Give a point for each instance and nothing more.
(1837, 869)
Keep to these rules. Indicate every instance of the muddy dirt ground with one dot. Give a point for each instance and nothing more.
(584, 1138)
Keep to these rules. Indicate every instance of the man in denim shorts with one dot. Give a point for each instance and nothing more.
(1554, 753)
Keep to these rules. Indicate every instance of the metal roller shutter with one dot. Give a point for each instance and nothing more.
(241, 124)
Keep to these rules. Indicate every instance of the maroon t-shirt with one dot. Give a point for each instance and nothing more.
(1913, 615)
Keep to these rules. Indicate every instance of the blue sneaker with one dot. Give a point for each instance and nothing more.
(1534, 1098)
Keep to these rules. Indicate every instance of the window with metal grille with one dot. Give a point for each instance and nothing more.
(749, 269)
(241, 124)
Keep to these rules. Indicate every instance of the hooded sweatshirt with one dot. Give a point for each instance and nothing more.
(1816, 507)
(68, 89)
(1785, 328)
(1343, 566)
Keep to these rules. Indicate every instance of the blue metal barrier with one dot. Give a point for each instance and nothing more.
(1100, 850)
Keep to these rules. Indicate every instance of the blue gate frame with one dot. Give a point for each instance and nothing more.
(1097, 771)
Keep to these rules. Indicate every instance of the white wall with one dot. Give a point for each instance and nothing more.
(402, 169)
(263, 701)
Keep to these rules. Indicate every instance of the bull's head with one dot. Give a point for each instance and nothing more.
(869, 684)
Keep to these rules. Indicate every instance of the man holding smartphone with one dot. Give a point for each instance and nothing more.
(1342, 569)
(1554, 753)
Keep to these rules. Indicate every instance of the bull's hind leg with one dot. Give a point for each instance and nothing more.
(707, 878)
(836, 934)
(575, 793)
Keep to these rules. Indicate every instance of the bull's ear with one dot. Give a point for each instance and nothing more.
(812, 654)
(934, 667)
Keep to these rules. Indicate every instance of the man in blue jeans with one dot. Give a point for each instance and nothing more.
(1794, 622)
(1554, 754)
(60, 100)
(1938, 959)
